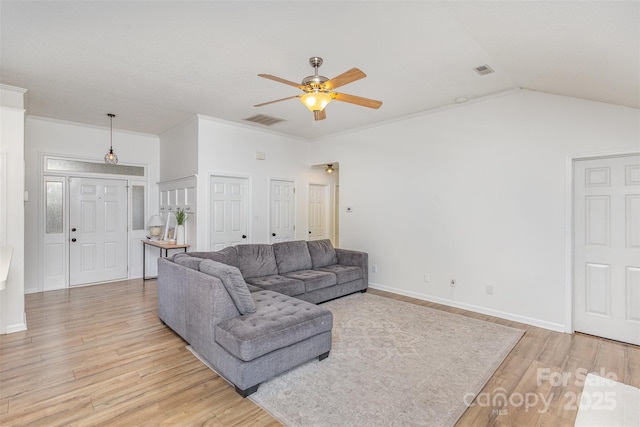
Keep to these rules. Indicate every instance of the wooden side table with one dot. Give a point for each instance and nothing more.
(158, 244)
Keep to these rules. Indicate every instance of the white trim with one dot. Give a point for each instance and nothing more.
(43, 172)
(569, 232)
(557, 327)
(19, 327)
(90, 126)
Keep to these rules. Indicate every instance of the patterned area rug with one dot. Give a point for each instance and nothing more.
(392, 363)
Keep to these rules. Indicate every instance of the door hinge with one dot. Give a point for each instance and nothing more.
(294, 228)
(294, 190)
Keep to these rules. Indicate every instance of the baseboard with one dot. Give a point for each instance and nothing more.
(557, 327)
(18, 327)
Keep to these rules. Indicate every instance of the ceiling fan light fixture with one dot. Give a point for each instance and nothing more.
(315, 101)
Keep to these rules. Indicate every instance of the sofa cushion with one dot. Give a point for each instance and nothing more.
(256, 260)
(227, 255)
(322, 253)
(234, 283)
(292, 256)
(278, 322)
(188, 261)
(344, 273)
(253, 288)
(314, 279)
(276, 283)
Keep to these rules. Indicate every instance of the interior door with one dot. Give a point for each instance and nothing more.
(97, 230)
(282, 211)
(228, 212)
(607, 247)
(318, 212)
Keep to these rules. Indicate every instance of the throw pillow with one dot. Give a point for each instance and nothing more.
(188, 261)
(233, 282)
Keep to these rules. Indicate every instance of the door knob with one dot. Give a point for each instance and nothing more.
(273, 234)
(309, 232)
(244, 236)
(73, 240)
(73, 229)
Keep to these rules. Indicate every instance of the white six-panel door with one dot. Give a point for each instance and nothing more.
(607, 247)
(282, 211)
(228, 220)
(318, 212)
(98, 230)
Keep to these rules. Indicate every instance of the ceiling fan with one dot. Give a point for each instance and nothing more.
(319, 90)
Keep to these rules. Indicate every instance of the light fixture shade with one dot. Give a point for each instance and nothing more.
(155, 225)
(111, 158)
(315, 101)
(155, 221)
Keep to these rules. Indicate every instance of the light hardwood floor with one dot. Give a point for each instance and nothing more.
(98, 355)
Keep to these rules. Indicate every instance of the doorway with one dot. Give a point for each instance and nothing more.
(228, 212)
(606, 247)
(98, 224)
(318, 228)
(282, 212)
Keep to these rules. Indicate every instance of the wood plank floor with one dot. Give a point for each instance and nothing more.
(98, 355)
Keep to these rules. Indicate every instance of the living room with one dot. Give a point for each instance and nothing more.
(477, 192)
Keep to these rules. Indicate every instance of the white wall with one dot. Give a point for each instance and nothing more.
(476, 193)
(230, 150)
(12, 115)
(75, 140)
(179, 151)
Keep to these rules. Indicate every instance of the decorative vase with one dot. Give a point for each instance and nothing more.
(180, 235)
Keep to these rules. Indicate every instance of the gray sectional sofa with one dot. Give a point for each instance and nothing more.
(250, 310)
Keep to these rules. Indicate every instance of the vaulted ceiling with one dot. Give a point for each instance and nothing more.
(156, 64)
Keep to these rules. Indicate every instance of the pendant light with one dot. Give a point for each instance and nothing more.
(111, 158)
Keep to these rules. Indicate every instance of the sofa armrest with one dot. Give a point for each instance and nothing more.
(356, 259)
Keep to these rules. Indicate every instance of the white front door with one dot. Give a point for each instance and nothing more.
(228, 212)
(282, 211)
(97, 230)
(318, 212)
(607, 247)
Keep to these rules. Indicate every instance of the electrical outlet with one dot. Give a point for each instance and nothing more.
(374, 268)
(489, 290)
(453, 283)
(427, 278)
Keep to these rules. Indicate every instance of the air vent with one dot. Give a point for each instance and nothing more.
(483, 70)
(264, 119)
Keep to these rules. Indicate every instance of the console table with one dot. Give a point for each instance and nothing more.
(158, 244)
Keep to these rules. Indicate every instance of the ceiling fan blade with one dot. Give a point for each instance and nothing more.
(281, 80)
(277, 100)
(352, 99)
(347, 77)
(319, 115)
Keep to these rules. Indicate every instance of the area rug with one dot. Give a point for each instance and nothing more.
(391, 363)
(608, 403)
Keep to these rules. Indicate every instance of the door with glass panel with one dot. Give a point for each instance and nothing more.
(98, 247)
(54, 268)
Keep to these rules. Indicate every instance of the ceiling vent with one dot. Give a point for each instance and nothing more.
(483, 70)
(264, 119)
